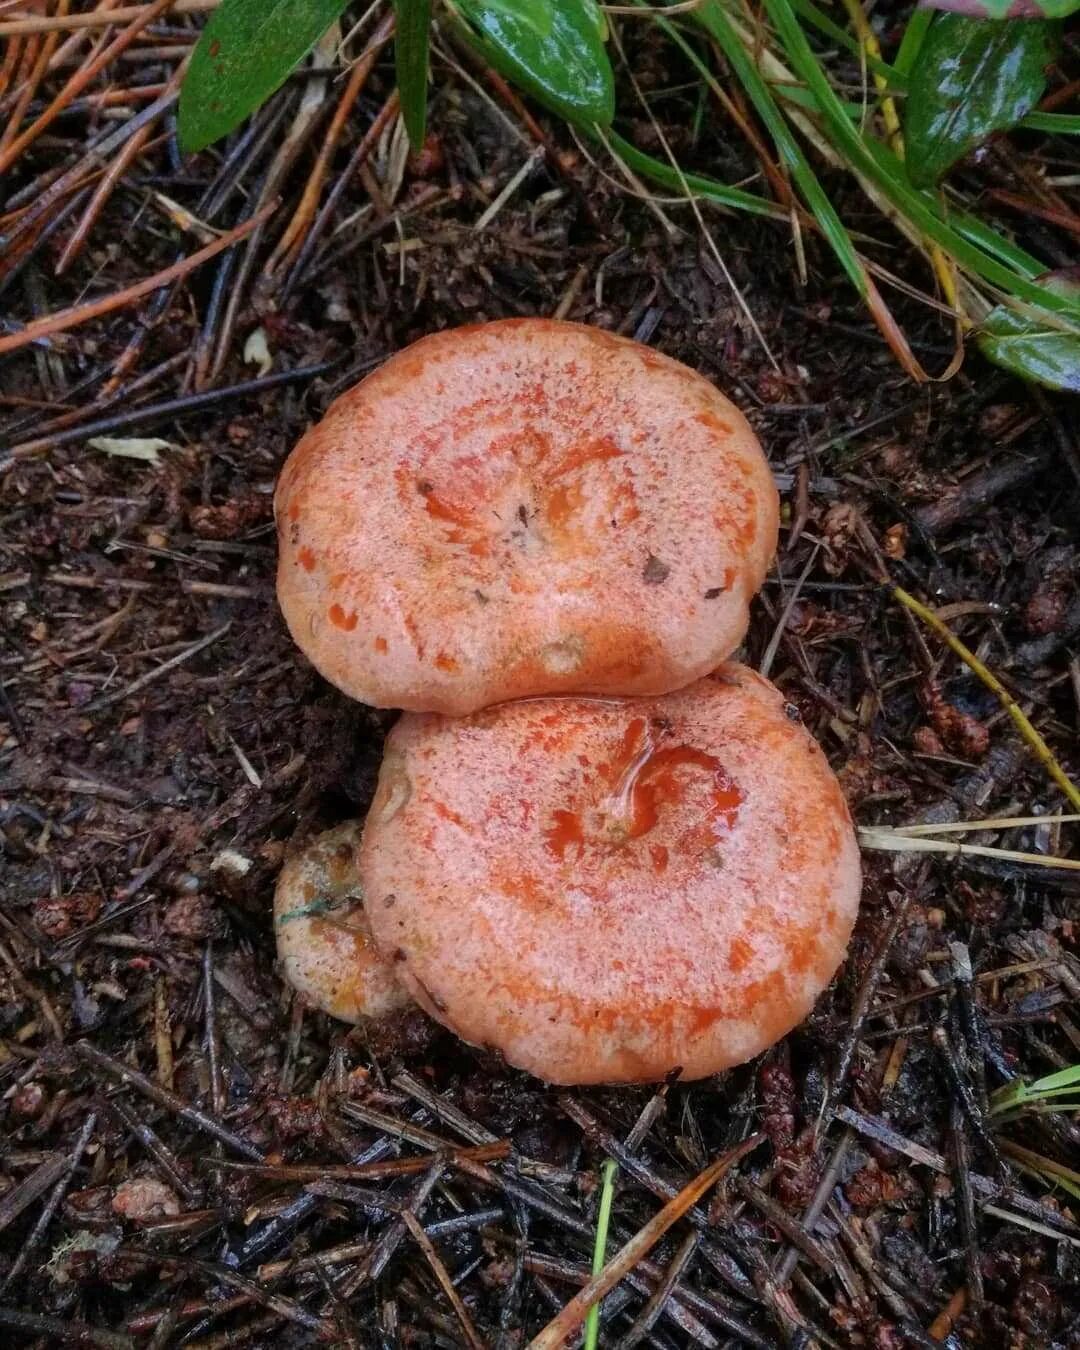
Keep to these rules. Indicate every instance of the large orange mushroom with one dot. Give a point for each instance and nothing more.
(519, 508)
(323, 938)
(605, 890)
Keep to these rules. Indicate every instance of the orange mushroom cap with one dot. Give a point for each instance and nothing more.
(519, 508)
(323, 938)
(605, 890)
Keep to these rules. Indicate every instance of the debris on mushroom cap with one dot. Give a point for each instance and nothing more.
(518, 508)
(323, 938)
(605, 890)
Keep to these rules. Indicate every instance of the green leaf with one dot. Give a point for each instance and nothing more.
(970, 80)
(246, 51)
(974, 246)
(411, 33)
(1006, 9)
(553, 49)
(1038, 347)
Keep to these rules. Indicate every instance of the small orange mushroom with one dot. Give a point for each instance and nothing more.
(605, 890)
(323, 938)
(519, 508)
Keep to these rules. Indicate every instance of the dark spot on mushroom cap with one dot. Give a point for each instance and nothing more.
(655, 571)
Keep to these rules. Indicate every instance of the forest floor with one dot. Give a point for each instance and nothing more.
(163, 746)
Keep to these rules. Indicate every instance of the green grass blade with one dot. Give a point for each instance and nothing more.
(712, 18)
(411, 35)
(821, 21)
(969, 226)
(914, 32)
(677, 180)
(603, 1222)
(855, 150)
(1059, 124)
(1056, 1082)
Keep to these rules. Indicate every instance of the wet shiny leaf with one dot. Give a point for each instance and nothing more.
(1006, 9)
(246, 51)
(1036, 349)
(553, 49)
(971, 79)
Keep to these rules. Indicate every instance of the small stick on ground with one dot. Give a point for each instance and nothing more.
(124, 1073)
(13, 1202)
(102, 17)
(78, 82)
(394, 1167)
(40, 1228)
(968, 1221)
(412, 1223)
(64, 319)
(129, 153)
(654, 1306)
(368, 142)
(151, 675)
(289, 244)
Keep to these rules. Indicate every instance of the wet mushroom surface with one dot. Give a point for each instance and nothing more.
(324, 940)
(137, 596)
(607, 890)
(519, 508)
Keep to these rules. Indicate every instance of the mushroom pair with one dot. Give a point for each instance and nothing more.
(596, 845)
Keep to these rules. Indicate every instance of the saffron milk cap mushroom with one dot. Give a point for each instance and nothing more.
(519, 508)
(605, 890)
(323, 938)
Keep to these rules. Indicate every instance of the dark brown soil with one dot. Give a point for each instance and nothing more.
(162, 745)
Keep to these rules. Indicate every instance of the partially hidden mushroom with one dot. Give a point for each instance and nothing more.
(520, 508)
(324, 940)
(605, 890)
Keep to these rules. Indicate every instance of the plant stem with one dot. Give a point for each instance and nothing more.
(603, 1221)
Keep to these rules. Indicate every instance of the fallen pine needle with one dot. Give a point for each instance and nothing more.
(894, 841)
(102, 17)
(559, 1329)
(1037, 1163)
(1032, 1225)
(64, 319)
(85, 75)
(1038, 746)
(960, 826)
(943, 1323)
